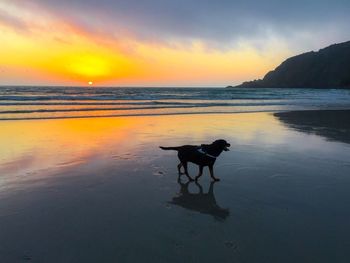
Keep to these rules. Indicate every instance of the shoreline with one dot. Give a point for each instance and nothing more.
(135, 115)
(274, 112)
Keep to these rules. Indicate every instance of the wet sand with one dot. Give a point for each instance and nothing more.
(332, 124)
(100, 190)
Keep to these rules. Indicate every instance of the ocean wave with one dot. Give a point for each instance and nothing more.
(57, 102)
(102, 94)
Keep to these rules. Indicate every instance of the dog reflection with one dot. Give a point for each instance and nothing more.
(201, 202)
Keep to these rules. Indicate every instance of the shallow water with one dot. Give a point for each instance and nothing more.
(100, 190)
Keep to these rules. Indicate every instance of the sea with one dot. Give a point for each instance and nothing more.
(38, 102)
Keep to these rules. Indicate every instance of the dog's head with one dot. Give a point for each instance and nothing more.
(221, 145)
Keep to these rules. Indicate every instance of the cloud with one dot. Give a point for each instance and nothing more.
(216, 23)
(13, 22)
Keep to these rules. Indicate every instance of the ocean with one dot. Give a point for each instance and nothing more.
(20, 103)
(101, 189)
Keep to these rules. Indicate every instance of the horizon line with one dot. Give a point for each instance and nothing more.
(92, 86)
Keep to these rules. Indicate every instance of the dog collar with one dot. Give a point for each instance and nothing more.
(200, 150)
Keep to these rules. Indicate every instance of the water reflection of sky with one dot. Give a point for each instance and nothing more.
(84, 186)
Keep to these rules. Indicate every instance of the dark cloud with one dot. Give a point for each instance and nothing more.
(215, 22)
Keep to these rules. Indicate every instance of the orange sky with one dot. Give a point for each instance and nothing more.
(46, 49)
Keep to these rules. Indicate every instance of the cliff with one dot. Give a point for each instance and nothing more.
(327, 68)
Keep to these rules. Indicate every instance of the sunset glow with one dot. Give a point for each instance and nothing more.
(40, 45)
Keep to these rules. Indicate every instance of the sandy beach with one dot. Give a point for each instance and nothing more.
(101, 99)
(100, 190)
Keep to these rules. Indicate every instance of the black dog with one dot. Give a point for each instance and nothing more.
(204, 155)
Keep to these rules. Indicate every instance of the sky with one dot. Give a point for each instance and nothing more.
(160, 42)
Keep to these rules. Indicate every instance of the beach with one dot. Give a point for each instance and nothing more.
(101, 190)
(174, 131)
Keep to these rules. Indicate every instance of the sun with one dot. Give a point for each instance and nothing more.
(90, 83)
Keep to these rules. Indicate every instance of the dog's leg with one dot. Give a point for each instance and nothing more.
(211, 196)
(211, 170)
(200, 172)
(179, 168)
(200, 188)
(211, 189)
(184, 164)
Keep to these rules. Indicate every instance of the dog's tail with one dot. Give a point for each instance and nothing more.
(169, 148)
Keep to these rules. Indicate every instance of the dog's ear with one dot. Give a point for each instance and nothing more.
(205, 146)
(216, 143)
(220, 142)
